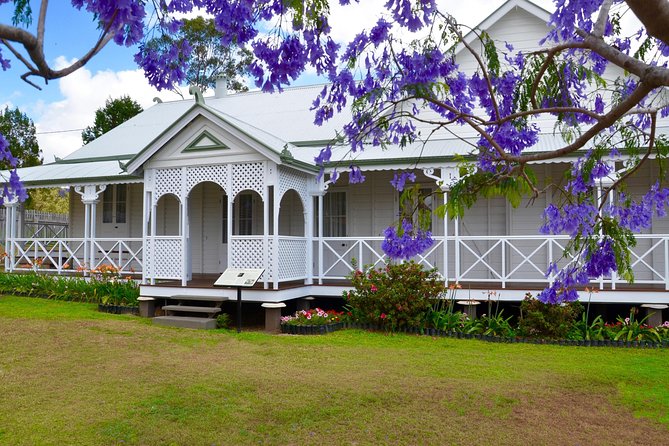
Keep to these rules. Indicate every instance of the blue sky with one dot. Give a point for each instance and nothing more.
(67, 105)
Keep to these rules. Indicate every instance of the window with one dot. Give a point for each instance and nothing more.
(245, 218)
(115, 204)
(334, 214)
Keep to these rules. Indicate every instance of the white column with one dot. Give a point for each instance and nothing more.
(91, 257)
(90, 195)
(269, 255)
(320, 239)
(445, 272)
(152, 259)
(275, 235)
(309, 236)
(10, 234)
(184, 229)
(184, 241)
(146, 200)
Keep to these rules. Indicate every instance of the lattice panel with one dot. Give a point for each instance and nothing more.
(168, 181)
(291, 179)
(249, 176)
(248, 253)
(292, 259)
(148, 255)
(216, 174)
(168, 258)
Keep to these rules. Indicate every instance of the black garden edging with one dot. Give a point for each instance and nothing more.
(322, 329)
(118, 309)
(311, 329)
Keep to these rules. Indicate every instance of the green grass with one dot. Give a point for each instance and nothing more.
(71, 375)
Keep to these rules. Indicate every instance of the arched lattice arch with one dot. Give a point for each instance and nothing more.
(168, 181)
(217, 174)
(249, 176)
(290, 179)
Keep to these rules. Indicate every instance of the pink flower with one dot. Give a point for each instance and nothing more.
(374, 289)
(383, 315)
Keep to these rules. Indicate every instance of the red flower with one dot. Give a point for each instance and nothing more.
(383, 315)
(374, 289)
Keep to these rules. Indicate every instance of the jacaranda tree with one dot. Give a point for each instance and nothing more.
(393, 85)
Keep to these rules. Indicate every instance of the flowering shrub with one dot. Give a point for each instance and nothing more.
(315, 316)
(538, 319)
(398, 295)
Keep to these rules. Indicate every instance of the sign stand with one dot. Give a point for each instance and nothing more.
(239, 278)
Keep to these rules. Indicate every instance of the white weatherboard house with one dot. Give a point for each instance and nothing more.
(187, 189)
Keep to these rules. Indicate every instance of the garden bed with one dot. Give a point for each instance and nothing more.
(329, 328)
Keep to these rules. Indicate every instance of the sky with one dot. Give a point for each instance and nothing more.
(66, 106)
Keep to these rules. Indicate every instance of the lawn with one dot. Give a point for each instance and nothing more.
(71, 375)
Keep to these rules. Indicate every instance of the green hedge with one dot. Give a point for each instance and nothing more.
(105, 290)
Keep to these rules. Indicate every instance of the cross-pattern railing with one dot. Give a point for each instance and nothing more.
(74, 254)
(502, 260)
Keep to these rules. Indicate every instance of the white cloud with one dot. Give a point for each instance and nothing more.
(83, 93)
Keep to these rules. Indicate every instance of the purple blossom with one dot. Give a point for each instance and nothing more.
(405, 242)
(355, 175)
(400, 179)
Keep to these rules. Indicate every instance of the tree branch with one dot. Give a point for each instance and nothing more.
(603, 17)
(654, 15)
(34, 46)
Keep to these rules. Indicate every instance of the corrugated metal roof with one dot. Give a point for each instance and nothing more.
(68, 173)
(274, 120)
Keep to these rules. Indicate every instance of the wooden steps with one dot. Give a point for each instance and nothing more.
(191, 312)
(186, 322)
(191, 309)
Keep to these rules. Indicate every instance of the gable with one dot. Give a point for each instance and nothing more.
(203, 141)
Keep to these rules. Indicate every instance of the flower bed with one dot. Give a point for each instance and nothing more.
(315, 321)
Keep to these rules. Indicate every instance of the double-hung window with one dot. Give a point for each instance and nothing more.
(115, 204)
(334, 214)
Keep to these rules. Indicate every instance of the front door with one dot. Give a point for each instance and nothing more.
(114, 217)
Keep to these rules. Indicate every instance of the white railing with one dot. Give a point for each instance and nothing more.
(502, 260)
(74, 254)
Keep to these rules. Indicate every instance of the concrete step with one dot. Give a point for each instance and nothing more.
(192, 309)
(200, 298)
(186, 322)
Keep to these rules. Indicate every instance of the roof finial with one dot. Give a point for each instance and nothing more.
(195, 91)
(157, 100)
